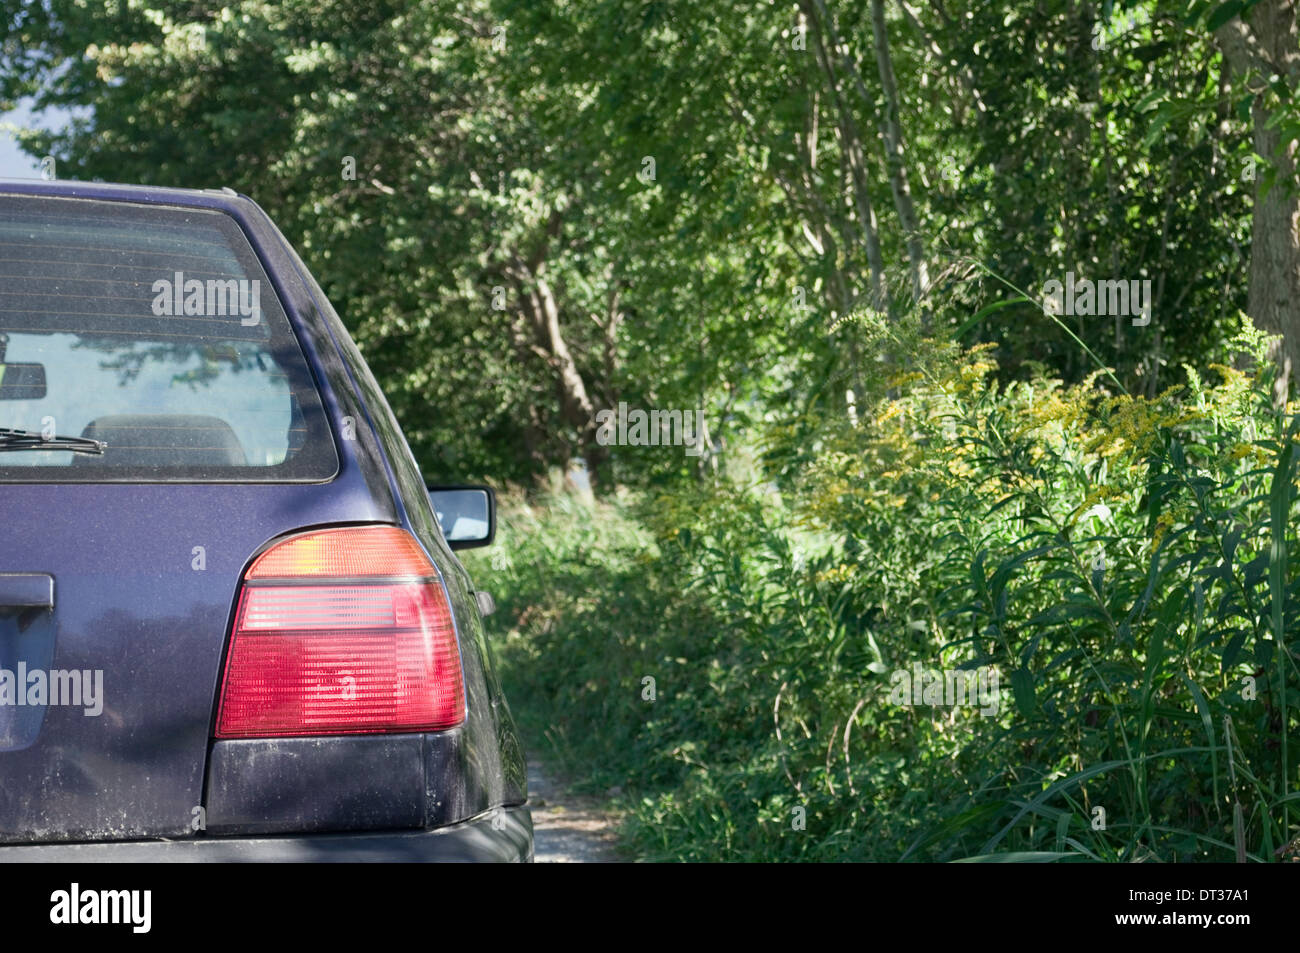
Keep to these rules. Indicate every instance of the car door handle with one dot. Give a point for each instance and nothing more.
(26, 590)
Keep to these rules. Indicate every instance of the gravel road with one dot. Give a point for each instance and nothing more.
(567, 828)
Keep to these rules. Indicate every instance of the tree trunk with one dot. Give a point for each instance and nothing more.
(542, 311)
(1267, 44)
(818, 18)
(892, 130)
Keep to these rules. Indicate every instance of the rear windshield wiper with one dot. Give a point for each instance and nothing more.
(35, 440)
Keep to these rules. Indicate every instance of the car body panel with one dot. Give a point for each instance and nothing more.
(129, 601)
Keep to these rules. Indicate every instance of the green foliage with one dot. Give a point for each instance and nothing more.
(1122, 562)
(500, 143)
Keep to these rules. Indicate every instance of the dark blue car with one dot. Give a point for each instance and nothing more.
(232, 626)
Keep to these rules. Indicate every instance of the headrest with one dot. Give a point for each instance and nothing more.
(163, 440)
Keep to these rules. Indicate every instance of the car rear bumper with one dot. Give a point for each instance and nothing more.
(502, 836)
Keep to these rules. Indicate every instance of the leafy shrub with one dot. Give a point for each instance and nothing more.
(1121, 562)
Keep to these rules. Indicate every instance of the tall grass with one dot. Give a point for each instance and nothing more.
(1123, 563)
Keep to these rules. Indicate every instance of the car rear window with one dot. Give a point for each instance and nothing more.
(155, 331)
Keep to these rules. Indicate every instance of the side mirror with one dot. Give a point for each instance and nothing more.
(467, 514)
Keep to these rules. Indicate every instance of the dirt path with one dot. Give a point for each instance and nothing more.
(567, 828)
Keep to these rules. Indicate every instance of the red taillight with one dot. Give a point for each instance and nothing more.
(340, 631)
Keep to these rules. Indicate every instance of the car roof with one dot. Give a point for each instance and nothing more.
(223, 198)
